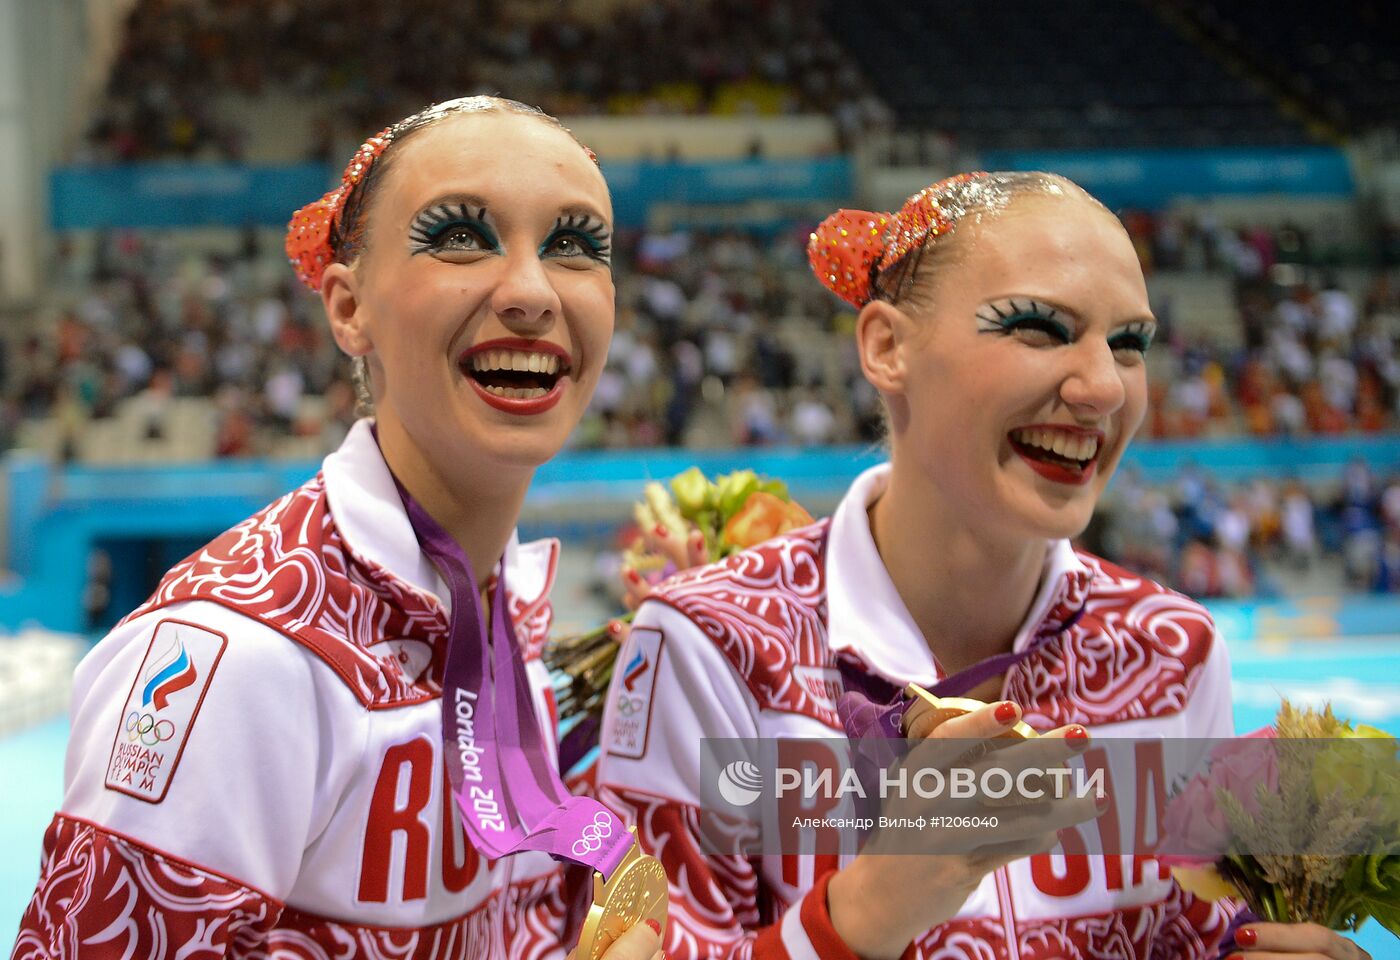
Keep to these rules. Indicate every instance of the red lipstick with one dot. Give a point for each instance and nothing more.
(516, 405)
(1059, 469)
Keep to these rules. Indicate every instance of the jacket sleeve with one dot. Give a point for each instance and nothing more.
(672, 689)
(190, 791)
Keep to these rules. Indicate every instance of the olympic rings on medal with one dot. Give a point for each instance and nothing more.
(147, 729)
(593, 834)
(626, 706)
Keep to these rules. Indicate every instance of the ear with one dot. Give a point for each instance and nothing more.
(881, 329)
(340, 296)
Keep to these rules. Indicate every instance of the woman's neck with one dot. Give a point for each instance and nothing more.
(478, 506)
(968, 589)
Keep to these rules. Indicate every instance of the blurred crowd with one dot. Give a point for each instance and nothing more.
(1210, 539)
(723, 339)
(152, 322)
(1306, 356)
(365, 65)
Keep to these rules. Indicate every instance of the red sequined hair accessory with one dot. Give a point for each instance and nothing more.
(851, 248)
(309, 233)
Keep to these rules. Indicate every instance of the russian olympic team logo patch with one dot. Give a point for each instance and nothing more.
(161, 708)
(638, 665)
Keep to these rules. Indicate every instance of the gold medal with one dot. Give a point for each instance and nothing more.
(927, 711)
(636, 893)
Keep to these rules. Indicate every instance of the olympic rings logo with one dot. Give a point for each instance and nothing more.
(594, 834)
(626, 706)
(147, 729)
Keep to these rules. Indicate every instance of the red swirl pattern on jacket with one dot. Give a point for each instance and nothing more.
(1118, 646)
(289, 567)
(103, 895)
(521, 922)
(1134, 651)
(710, 894)
(765, 608)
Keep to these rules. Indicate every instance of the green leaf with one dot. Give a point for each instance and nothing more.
(776, 487)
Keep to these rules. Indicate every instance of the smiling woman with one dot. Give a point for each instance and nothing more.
(357, 757)
(1003, 318)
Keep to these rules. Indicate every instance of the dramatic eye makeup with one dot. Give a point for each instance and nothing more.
(452, 228)
(1136, 336)
(579, 235)
(1026, 316)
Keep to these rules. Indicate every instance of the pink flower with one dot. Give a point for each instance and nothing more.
(1194, 827)
(1242, 765)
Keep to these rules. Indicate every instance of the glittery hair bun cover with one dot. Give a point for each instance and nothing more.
(850, 248)
(309, 245)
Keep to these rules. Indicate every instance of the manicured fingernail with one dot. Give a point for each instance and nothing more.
(660, 531)
(615, 627)
(633, 576)
(1006, 713)
(1246, 936)
(1235, 956)
(697, 539)
(1077, 736)
(655, 927)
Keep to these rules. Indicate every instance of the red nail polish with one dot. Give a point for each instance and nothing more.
(1235, 956)
(615, 627)
(1077, 736)
(1006, 713)
(1246, 936)
(633, 576)
(660, 531)
(655, 927)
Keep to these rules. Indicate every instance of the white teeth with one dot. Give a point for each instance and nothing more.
(1063, 444)
(525, 362)
(517, 393)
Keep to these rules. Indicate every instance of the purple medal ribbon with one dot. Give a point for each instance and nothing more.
(510, 796)
(874, 707)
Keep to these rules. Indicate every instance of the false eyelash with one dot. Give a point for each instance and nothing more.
(589, 226)
(1142, 334)
(429, 224)
(1032, 307)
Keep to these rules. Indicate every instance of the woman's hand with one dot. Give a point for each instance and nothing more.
(1294, 941)
(891, 893)
(642, 942)
(683, 553)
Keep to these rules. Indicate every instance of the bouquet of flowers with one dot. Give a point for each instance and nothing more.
(1323, 788)
(689, 521)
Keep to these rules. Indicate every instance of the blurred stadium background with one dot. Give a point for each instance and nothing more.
(162, 375)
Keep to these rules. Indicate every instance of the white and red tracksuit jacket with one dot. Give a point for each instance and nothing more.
(255, 766)
(749, 648)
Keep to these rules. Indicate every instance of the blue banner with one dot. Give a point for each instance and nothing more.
(194, 195)
(636, 185)
(182, 195)
(1147, 179)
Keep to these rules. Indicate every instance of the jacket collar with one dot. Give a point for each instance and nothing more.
(867, 618)
(376, 530)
